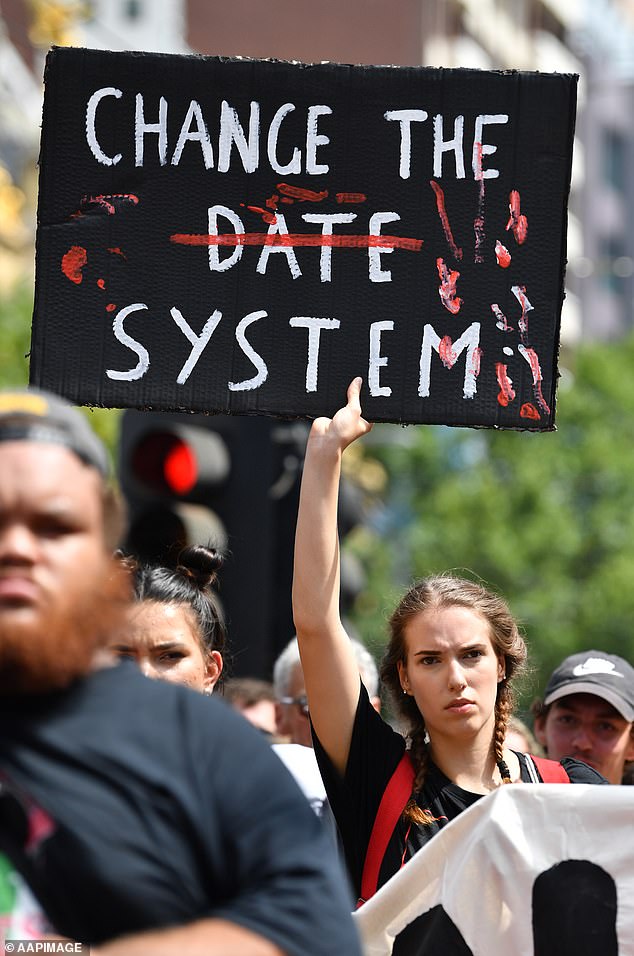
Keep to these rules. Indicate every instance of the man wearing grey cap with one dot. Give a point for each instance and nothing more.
(588, 713)
(135, 816)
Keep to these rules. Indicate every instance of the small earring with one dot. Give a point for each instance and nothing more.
(405, 692)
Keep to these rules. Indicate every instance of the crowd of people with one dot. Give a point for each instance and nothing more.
(141, 816)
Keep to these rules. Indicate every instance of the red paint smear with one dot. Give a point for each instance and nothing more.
(478, 222)
(272, 201)
(476, 361)
(111, 307)
(533, 360)
(101, 283)
(507, 392)
(523, 322)
(304, 195)
(442, 212)
(446, 352)
(298, 239)
(287, 200)
(117, 251)
(350, 197)
(478, 228)
(268, 217)
(502, 255)
(447, 289)
(105, 203)
(502, 322)
(478, 173)
(528, 410)
(517, 222)
(73, 262)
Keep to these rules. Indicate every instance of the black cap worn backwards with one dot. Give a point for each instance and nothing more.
(31, 414)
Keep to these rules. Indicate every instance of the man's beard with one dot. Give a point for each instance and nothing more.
(40, 656)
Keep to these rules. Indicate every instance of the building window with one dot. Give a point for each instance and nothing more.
(616, 268)
(544, 19)
(133, 9)
(518, 12)
(615, 159)
(611, 250)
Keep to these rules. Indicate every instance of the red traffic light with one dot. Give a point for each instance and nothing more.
(189, 462)
(166, 463)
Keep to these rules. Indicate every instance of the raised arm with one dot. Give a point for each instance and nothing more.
(330, 669)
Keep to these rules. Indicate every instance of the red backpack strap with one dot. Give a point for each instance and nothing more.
(393, 802)
(550, 770)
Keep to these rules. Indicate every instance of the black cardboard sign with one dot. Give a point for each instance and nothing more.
(228, 235)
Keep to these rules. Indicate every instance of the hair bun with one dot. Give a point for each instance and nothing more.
(200, 564)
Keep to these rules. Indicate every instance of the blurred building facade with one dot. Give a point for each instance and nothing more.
(150, 25)
(20, 116)
(591, 37)
(594, 38)
(604, 40)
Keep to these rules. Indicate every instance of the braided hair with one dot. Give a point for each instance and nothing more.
(190, 583)
(435, 593)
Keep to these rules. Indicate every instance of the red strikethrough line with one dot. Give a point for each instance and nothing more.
(297, 239)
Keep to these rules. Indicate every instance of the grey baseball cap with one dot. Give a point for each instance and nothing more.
(594, 672)
(32, 414)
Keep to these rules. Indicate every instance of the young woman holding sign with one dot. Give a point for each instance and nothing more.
(453, 653)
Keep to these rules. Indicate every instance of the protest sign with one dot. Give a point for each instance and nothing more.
(246, 236)
(532, 869)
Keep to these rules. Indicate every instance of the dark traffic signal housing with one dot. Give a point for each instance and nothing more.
(228, 481)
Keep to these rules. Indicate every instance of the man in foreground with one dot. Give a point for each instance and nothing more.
(144, 818)
(588, 712)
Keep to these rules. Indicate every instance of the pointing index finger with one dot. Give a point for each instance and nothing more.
(354, 390)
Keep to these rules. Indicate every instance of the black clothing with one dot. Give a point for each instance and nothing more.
(375, 751)
(168, 807)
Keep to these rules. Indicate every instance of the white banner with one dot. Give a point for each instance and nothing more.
(531, 870)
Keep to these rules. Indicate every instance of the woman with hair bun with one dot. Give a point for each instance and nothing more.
(453, 654)
(175, 630)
